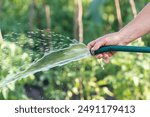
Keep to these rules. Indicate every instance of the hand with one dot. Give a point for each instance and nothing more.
(109, 39)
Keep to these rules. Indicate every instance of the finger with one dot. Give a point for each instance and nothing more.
(99, 56)
(110, 54)
(98, 45)
(106, 58)
(91, 44)
(105, 55)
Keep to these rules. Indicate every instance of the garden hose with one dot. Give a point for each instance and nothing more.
(121, 49)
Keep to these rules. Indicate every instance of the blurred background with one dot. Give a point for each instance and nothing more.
(126, 77)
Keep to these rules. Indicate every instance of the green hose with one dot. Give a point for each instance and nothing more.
(122, 49)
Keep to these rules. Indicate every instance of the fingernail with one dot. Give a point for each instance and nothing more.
(92, 48)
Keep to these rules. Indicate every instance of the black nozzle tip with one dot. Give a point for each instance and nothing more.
(92, 52)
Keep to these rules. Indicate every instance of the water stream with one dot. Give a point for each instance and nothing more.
(61, 54)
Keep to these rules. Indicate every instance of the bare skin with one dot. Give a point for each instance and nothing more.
(133, 30)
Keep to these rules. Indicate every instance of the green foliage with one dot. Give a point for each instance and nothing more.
(132, 80)
(126, 77)
(12, 57)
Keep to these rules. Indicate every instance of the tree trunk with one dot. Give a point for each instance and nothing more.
(47, 13)
(134, 11)
(1, 37)
(132, 4)
(48, 22)
(78, 33)
(34, 15)
(78, 25)
(31, 14)
(118, 11)
(1, 5)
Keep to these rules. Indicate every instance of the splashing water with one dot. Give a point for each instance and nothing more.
(45, 49)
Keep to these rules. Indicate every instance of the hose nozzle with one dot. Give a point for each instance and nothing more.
(92, 52)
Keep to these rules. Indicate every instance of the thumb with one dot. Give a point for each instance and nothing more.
(98, 45)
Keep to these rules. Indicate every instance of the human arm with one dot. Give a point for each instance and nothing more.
(134, 29)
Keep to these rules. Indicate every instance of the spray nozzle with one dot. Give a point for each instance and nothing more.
(92, 52)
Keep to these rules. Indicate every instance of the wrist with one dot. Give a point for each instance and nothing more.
(124, 38)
